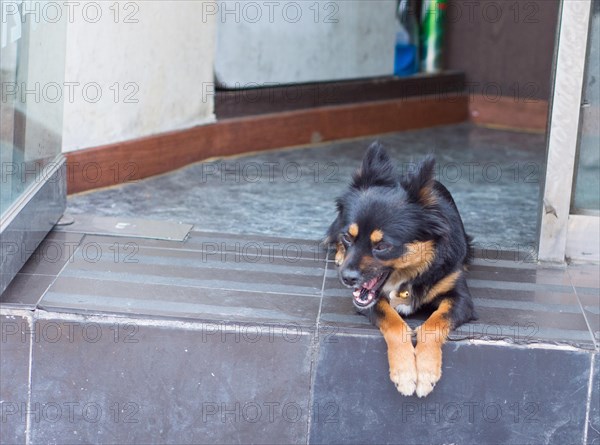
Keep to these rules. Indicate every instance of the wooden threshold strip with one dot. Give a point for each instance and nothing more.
(141, 158)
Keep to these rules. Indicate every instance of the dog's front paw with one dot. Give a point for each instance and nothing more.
(426, 381)
(429, 367)
(403, 370)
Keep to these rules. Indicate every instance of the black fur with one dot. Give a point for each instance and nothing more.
(408, 209)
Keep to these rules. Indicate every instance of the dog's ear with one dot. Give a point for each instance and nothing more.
(376, 169)
(420, 182)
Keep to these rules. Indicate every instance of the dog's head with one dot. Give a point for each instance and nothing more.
(386, 225)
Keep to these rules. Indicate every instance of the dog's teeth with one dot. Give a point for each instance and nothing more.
(356, 293)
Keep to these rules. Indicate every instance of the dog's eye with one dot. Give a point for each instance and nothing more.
(382, 247)
(346, 239)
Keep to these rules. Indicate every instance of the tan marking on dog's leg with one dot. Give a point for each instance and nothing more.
(340, 254)
(431, 335)
(401, 353)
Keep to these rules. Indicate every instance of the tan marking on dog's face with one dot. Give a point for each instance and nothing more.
(340, 254)
(353, 230)
(418, 258)
(376, 236)
(441, 287)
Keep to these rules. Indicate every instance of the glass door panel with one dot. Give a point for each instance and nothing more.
(587, 184)
(32, 179)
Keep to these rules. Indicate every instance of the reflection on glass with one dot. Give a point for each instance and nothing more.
(587, 184)
(32, 60)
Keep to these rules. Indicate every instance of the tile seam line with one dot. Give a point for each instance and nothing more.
(220, 253)
(29, 383)
(227, 289)
(278, 268)
(49, 314)
(34, 316)
(479, 283)
(588, 402)
(55, 277)
(481, 342)
(314, 357)
(64, 266)
(582, 311)
(225, 236)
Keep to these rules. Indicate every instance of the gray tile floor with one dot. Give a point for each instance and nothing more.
(494, 176)
(265, 279)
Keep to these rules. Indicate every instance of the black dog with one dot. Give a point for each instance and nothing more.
(401, 245)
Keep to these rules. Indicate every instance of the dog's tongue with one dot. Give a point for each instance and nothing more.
(365, 287)
(369, 284)
(363, 294)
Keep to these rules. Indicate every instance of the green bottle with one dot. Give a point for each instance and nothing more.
(432, 34)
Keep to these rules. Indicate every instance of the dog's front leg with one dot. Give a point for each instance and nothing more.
(431, 335)
(401, 353)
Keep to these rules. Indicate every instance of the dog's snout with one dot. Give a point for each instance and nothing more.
(350, 277)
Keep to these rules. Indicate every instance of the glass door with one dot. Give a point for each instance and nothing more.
(583, 236)
(570, 220)
(32, 168)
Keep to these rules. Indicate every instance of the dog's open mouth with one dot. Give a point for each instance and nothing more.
(367, 293)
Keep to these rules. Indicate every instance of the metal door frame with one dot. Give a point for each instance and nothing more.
(564, 236)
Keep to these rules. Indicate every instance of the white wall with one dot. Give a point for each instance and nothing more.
(32, 67)
(150, 68)
(302, 41)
